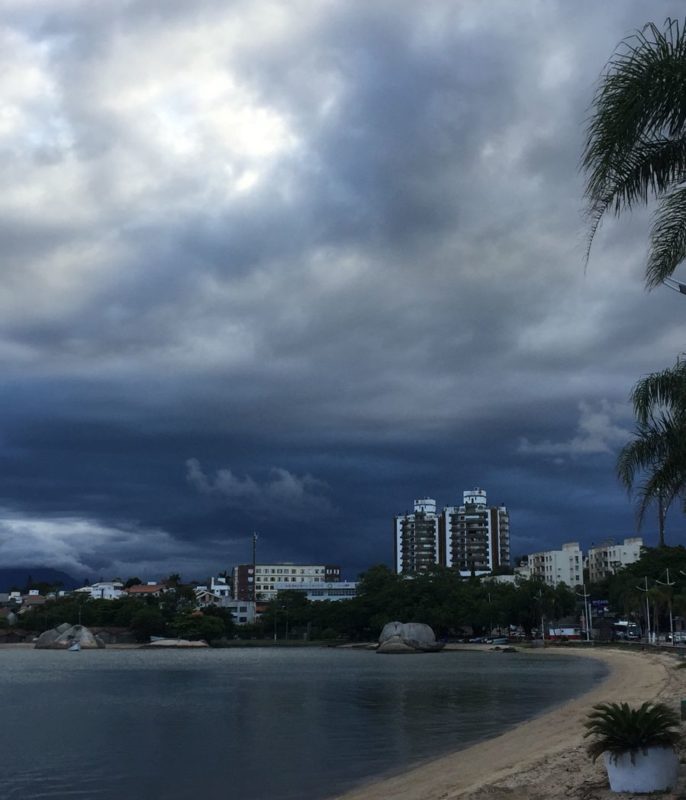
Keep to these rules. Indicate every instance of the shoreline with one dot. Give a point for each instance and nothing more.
(543, 758)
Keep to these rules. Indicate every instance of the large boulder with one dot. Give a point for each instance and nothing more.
(408, 637)
(64, 636)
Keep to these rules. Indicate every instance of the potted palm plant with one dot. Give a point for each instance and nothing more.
(637, 745)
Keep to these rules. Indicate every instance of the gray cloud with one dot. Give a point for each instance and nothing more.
(345, 240)
(596, 433)
(282, 494)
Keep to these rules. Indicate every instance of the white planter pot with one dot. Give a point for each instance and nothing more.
(654, 769)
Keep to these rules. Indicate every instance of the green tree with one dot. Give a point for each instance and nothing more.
(635, 147)
(653, 463)
(147, 622)
(197, 625)
(624, 594)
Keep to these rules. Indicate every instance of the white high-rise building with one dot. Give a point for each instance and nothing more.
(417, 541)
(605, 559)
(475, 537)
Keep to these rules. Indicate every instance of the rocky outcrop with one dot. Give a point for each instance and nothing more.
(408, 637)
(64, 636)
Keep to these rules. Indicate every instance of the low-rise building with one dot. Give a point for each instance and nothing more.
(220, 586)
(214, 593)
(242, 611)
(151, 589)
(258, 582)
(337, 590)
(103, 590)
(204, 597)
(558, 566)
(605, 559)
(29, 601)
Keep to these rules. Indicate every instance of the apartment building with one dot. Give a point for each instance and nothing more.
(417, 539)
(605, 559)
(260, 581)
(475, 536)
(558, 566)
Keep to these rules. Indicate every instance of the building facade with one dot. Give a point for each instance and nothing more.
(336, 590)
(476, 537)
(260, 581)
(103, 590)
(558, 566)
(605, 559)
(417, 539)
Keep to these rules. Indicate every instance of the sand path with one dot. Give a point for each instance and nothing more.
(544, 758)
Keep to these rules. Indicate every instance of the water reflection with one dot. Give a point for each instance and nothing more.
(254, 723)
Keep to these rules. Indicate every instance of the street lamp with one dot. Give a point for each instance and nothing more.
(671, 619)
(670, 283)
(540, 600)
(587, 611)
(641, 589)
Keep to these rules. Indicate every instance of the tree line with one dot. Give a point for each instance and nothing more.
(451, 605)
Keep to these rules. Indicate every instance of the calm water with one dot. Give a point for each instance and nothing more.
(253, 724)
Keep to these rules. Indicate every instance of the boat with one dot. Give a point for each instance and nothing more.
(74, 647)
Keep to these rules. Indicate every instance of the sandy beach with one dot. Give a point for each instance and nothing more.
(544, 758)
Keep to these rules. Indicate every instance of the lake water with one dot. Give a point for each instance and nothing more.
(254, 724)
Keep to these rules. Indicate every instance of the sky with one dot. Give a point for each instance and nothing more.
(286, 266)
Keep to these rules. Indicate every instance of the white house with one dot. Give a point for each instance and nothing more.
(103, 590)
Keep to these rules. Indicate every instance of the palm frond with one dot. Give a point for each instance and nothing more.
(657, 455)
(667, 238)
(636, 139)
(618, 728)
(660, 390)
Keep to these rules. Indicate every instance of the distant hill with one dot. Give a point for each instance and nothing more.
(19, 576)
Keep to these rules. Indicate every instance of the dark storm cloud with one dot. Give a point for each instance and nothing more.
(333, 253)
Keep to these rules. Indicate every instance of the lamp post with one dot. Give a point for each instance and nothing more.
(669, 584)
(677, 286)
(540, 600)
(254, 567)
(641, 589)
(587, 611)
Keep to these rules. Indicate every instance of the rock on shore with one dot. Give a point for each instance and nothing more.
(64, 636)
(408, 637)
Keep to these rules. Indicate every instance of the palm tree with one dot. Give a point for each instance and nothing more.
(636, 141)
(658, 451)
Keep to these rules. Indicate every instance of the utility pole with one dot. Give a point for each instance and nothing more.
(587, 611)
(540, 600)
(669, 584)
(641, 589)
